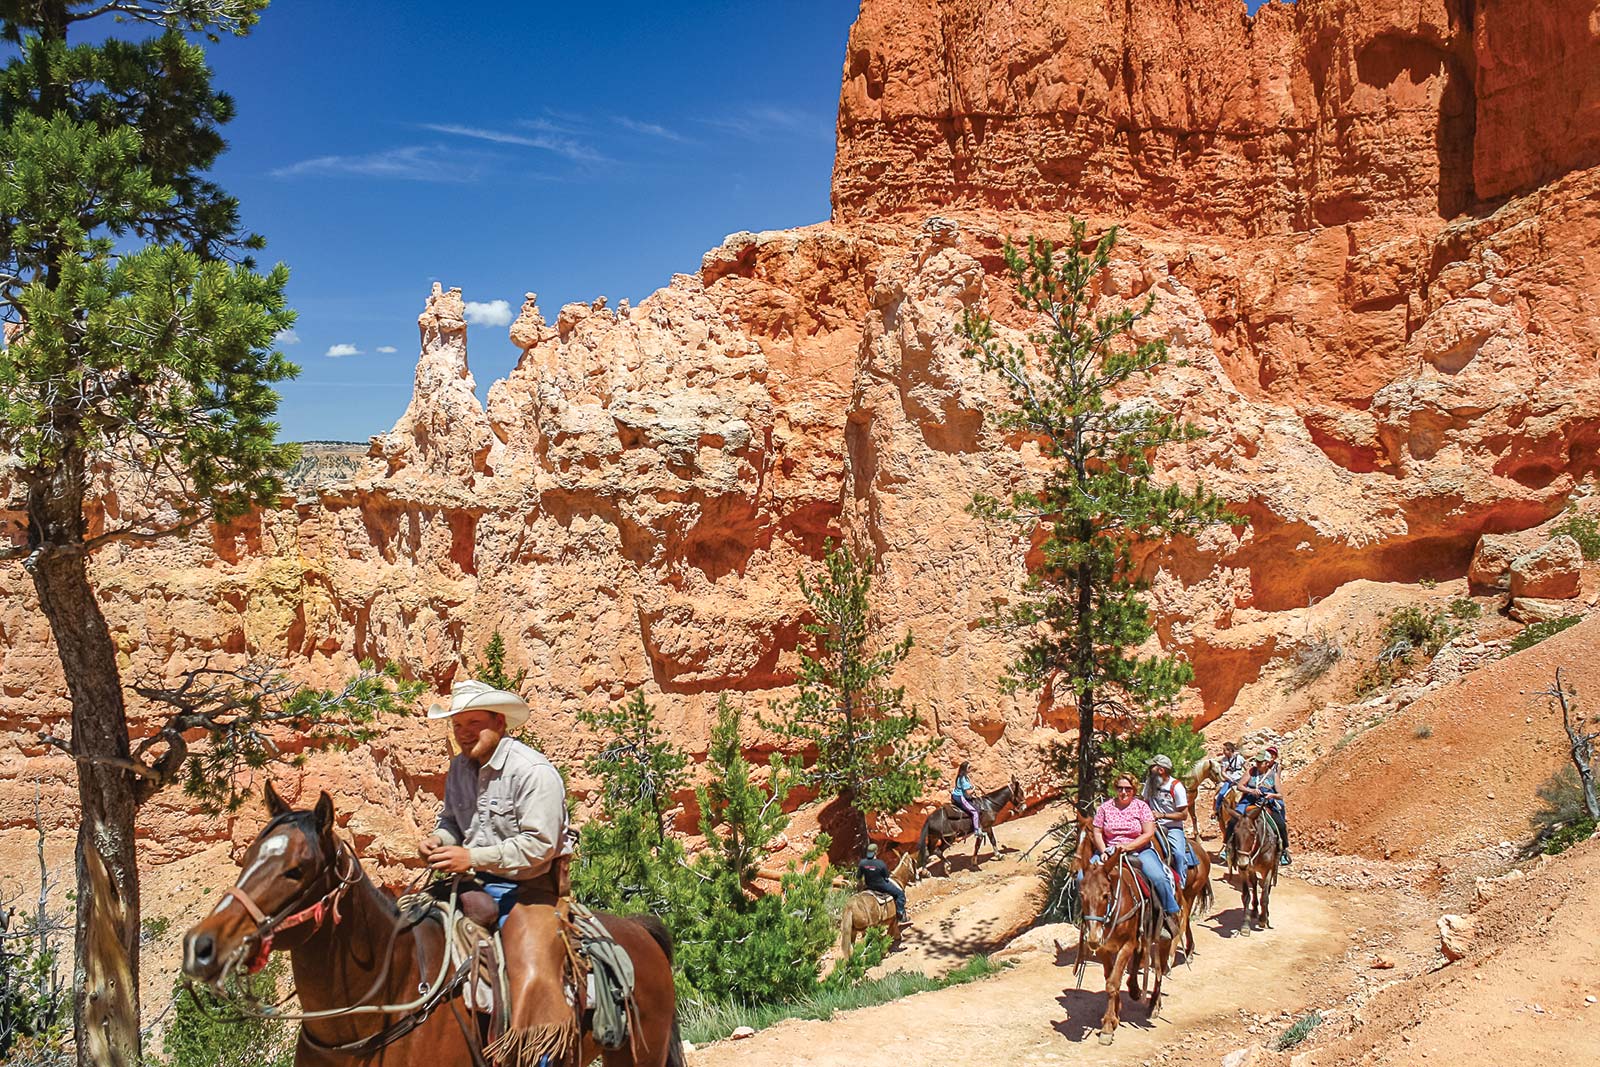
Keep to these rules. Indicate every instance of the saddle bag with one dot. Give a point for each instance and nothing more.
(611, 980)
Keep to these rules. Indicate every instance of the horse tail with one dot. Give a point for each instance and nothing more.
(1202, 907)
(662, 936)
(846, 929)
(675, 1057)
(922, 844)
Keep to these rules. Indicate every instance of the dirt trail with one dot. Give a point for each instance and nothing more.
(1030, 1014)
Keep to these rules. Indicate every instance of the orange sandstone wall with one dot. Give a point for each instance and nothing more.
(1389, 328)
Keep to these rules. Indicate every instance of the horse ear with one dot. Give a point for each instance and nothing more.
(324, 813)
(275, 804)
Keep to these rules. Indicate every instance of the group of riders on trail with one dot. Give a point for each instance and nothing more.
(503, 841)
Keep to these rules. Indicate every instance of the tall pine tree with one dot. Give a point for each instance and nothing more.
(868, 754)
(1081, 612)
(138, 356)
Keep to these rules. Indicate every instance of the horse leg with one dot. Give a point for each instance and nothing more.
(1114, 969)
(1244, 888)
(1135, 965)
(1265, 902)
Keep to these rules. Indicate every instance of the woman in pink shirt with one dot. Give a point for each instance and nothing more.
(1126, 824)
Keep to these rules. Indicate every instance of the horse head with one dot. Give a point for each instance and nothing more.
(1085, 850)
(292, 877)
(1096, 903)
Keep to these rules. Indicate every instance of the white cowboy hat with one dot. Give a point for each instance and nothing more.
(476, 696)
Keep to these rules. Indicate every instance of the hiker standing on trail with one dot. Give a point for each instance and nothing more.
(1127, 824)
(1169, 801)
(504, 821)
(875, 876)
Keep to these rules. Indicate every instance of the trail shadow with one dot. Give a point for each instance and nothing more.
(935, 939)
(1086, 1007)
(1225, 923)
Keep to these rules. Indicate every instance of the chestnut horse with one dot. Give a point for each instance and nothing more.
(1120, 926)
(371, 980)
(1208, 769)
(1255, 848)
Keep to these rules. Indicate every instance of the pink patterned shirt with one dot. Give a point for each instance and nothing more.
(1121, 825)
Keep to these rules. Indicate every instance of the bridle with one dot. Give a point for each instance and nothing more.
(288, 917)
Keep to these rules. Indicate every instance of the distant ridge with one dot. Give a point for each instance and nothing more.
(322, 462)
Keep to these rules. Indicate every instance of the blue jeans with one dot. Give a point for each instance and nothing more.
(503, 891)
(894, 891)
(1178, 845)
(1156, 873)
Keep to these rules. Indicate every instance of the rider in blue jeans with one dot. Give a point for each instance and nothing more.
(1169, 801)
(1126, 824)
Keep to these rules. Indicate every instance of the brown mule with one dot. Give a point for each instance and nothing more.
(1255, 849)
(369, 976)
(1121, 928)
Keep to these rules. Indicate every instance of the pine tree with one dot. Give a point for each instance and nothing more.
(138, 340)
(734, 943)
(627, 861)
(1081, 611)
(491, 670)
(867, 751)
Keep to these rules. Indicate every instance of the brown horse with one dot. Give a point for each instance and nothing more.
(1255, 848)
(950, 824)
(372, 981)
(1121, 928)
(1194, 897)
(867, 909)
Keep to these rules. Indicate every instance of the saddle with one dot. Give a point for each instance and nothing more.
(958, 818)
(477, 962)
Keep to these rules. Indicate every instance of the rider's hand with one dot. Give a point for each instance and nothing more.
(450, 859)
(428, 845)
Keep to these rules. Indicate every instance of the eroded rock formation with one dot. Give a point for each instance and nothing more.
(1369, 227)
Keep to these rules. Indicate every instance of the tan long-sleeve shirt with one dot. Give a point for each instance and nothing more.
(510, 813)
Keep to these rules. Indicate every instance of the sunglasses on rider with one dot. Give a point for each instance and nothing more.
(1125, 788)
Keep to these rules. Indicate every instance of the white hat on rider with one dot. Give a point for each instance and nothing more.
(477, 696)
(1163, 762)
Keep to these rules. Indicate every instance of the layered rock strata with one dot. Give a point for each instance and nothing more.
(1388, 328)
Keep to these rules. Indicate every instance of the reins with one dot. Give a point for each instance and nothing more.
(416, 1011)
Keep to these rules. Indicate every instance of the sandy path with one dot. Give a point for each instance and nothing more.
(1031, 1014)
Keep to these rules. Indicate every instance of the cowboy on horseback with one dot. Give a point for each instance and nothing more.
(1127, 824)
(1169, 801)
(1261, 787)
(504, 822)
(875, 877)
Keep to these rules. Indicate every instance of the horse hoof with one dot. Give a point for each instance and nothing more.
(1245, 930)
(1106, 1039)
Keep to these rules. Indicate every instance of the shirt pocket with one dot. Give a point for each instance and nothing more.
(502, 816)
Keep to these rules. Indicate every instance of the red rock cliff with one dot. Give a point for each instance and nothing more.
(1369, 227)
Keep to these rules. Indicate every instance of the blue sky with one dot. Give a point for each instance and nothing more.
(568, 151)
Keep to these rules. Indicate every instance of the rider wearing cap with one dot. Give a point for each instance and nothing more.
(1127, 824)
(504, 820)
(1232, 769)
(1261, 787)
(1169, 801)
(875, 876)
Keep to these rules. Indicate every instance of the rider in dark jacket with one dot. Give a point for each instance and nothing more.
(875, 876)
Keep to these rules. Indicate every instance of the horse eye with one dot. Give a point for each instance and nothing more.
(293, 872)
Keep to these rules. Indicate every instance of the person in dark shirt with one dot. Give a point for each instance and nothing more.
(875, 876)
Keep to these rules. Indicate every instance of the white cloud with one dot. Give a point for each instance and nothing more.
(285, 337)
(650, 129)
(418, 163)
(766, 120)
(560, 145)
(388, 350)
(336, 351)
(492, 313)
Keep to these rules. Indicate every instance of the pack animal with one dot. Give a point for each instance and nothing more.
(1255, 850)
(950, 824)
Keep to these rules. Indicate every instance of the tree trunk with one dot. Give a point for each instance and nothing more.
(1085, 669)
(105, 976)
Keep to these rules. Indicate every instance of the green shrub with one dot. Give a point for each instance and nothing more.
(206, 1033)
(1413, 629)
(35, 1000)
(1564, 836)
(1177, 739)
(1465, 608)
(1538, 631)
(1055, 867)
(1562, 818)
(1422, 731)
(1299, 1031)
(1584, 529)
